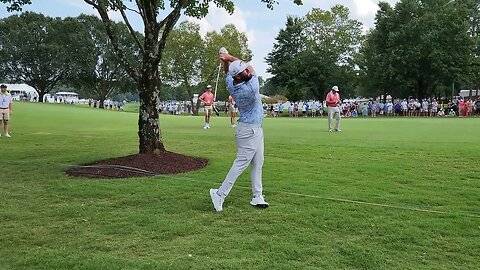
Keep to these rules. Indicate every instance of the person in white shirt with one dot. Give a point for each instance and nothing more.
(389, 108)
(434, 110)
(304, 109)
(5, 108)
(404, 105)
(425, 108)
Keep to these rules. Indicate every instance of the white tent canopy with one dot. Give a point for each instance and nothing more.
(466, 93)
(22, 91)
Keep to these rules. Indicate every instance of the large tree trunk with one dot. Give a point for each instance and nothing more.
(421, 88)
(148, 121)
(41, 95)
(194, 108)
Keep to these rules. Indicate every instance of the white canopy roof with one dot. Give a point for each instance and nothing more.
(21, 87)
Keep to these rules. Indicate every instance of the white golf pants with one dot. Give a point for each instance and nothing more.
(333, 112)
(250, 146)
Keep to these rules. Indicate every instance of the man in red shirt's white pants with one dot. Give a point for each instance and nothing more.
(333, 101)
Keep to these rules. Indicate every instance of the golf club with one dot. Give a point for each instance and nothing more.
(217, 113)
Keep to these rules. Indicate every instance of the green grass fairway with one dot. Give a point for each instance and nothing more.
(395, 193)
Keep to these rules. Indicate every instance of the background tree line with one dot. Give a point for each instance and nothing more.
(149, 49)
(76, 53)
(417, 48)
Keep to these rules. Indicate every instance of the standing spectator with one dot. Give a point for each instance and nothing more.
(461, 107)
(411, 107)
(304, 109)
(469, 107)
(418, 107)
(381, 108)
(398, 110)
(404, 105)
(477, 105)
(344, 108)
(374, 108)
(333, 100)
(314, 109)
(5, 108)
(275, 110)
(433, 111)
(389, 106)
(365, 109)
(295, 109)
(207, 99)
(242, 83)
(320, 109)
(425, 105)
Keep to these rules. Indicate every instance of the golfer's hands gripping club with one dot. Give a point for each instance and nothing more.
(223, 50)
(225, 57)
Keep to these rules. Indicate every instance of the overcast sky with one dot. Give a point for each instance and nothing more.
(251, 16)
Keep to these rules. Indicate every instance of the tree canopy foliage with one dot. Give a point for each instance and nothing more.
(418, 48)
(190, 62)
(45, 57)
(102, 76)
(315, 52)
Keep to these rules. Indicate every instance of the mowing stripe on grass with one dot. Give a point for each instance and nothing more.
(338, 199)
(379, 204)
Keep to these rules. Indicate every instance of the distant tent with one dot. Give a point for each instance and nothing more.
(22, 92)
(466, 93)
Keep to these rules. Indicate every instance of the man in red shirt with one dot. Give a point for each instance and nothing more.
(207, 99)
(333, 101)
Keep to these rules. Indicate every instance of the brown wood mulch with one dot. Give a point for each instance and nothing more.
(139, 165)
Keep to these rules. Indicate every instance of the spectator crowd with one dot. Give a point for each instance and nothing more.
(428, 107)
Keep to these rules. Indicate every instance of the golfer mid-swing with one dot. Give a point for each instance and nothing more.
(243, 85)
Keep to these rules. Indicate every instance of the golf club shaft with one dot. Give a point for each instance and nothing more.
(216, 83)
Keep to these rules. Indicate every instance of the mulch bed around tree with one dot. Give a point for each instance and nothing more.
(139, 165)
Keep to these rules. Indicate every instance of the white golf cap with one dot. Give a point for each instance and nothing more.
(237, 67)
(335, 88)
(209, 86)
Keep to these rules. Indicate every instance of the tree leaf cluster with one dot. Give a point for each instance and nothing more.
(190, 61)
(315, 52)
(418, 48)
(49, 53)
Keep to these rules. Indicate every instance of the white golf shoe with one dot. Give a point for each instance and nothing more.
(7, 135)
(216, 200)
(259, 201)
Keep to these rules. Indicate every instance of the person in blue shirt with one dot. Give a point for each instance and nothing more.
(243, 86)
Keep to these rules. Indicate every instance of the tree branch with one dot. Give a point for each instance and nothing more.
(168, 23)
(141, 11)
(102, 10)
(118, 4)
